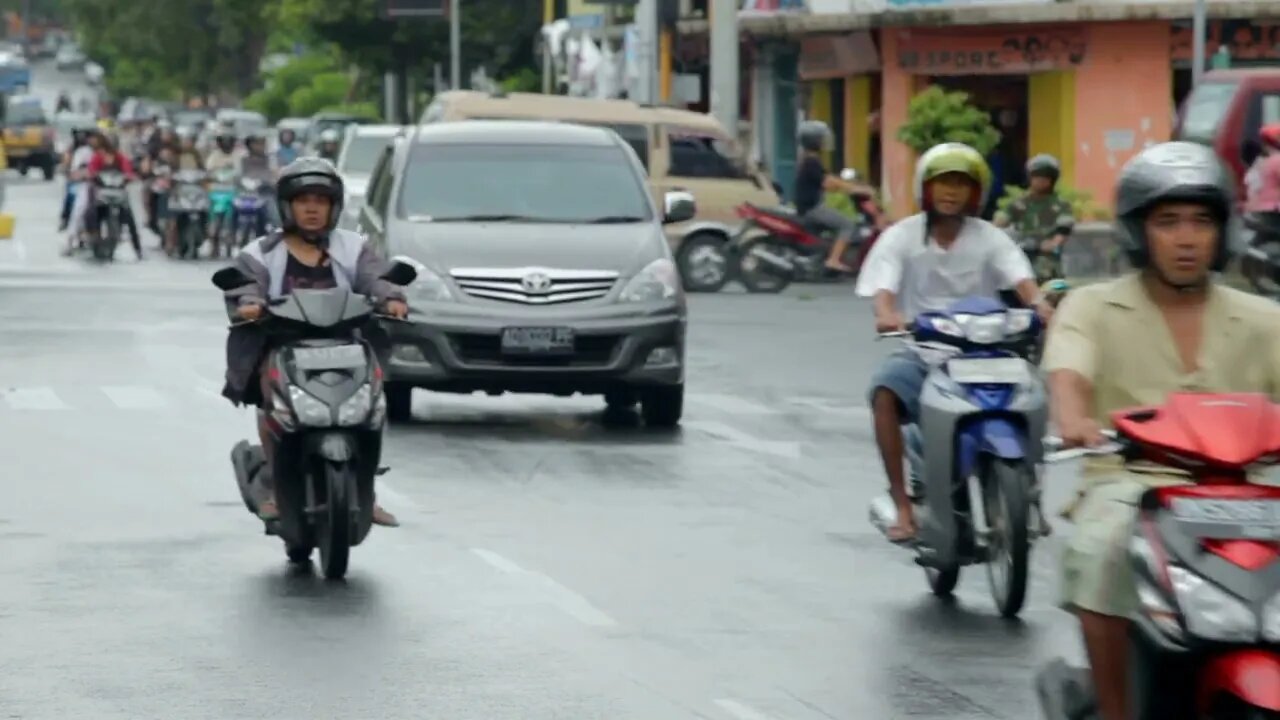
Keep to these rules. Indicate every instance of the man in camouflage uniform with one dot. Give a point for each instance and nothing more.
(1040, 221)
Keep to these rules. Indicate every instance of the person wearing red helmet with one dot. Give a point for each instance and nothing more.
(1262, 182)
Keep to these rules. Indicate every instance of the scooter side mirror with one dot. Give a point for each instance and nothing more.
(400, 273)
(230, 278)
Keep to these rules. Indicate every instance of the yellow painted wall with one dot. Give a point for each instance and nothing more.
(1051, 103)
(820, 107)
(857, 131)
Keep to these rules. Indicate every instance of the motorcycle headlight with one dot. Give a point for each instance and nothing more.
(1018, 321)
(659, 280)
(946, 326)
(307, 409)
(356, 408)
(1210, 612)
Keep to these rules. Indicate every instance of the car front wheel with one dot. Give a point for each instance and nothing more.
(662, 406)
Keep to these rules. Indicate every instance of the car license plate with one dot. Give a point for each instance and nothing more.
(987, 371)
(336, 357)
(1229, 519)
(537, 340)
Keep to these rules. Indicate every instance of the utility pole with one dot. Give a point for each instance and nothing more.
(1198, 31)
(725, 68)
(455, 45)
(646, 59)
(548, 17)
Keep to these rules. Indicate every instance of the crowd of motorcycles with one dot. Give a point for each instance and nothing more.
(221, 207)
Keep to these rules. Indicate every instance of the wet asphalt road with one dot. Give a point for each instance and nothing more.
(550, 564)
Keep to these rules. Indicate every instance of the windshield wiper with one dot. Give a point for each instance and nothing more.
(496, 217)
(612, 220)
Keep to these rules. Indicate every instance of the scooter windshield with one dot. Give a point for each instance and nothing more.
(322, 308)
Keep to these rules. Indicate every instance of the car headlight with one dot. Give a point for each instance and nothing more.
(659, 280)
(428, 286)
(1210, 612)
(307, 409)
(356, 408)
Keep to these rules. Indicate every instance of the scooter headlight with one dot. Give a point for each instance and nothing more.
(307, 409)
(1018, 321)
(356, 408)
(946, 326)
(1210, 612)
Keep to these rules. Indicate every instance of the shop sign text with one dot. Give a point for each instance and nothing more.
(960, 54)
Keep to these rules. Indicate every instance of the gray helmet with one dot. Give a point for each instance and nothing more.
(330, 136)
(813, 135)
(1173, 172)
(1044, 165)
(309, 175)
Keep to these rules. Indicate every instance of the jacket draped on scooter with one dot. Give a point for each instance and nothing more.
(356, 267)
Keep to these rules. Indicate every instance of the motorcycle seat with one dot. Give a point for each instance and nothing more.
(784, 213)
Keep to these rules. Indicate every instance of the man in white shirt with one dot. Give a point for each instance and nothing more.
(924, 263)
(78, 176)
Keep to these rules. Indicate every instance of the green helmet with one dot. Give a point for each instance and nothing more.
(953, 158)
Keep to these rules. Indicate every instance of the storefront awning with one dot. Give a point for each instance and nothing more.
(824, 57)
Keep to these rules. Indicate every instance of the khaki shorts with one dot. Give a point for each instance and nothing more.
(1097, 574)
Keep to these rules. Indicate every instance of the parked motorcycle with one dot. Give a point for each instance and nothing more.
(974, 451)
(111, 202)
(774, 246)
(251, 209)
(222, 211)
(1260, 262)
(1205, 642)
(328, 414)
(189, 211)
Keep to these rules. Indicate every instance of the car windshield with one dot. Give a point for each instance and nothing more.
(362, 152)
(25, 113)
(1204, 110)
(538, 183)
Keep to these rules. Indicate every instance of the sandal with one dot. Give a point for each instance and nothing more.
(267, 510)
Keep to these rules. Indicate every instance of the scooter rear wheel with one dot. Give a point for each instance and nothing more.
(757, 265)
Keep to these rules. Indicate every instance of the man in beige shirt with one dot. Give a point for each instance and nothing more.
(1131, 341)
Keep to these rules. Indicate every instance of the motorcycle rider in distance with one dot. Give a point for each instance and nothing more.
(1040, 216)
(925, 263)
(1263, 178)
(75, 159)
(1166, 326)
(187, 157)
(223, 154)
(330, 145)
(107, 158)
(286, 150)
(256, 164)
(79, 173)
(813, 182)
(310, 253)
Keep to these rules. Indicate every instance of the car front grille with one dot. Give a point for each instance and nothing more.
(481, 349)
(535, 286)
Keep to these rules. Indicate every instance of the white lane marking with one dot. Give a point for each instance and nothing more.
(781, 448)
(731, 404)
(740, 711)
(134, 397)
(830, 407)
(573, 604)
(34, 398)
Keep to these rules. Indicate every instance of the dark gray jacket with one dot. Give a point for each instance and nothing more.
(356, 267)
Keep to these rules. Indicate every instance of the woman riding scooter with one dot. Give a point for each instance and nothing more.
(310, 253)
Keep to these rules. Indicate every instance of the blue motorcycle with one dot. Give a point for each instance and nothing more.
(975, 451)
(251, 216)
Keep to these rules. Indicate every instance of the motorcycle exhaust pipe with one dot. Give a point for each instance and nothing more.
(775, 261)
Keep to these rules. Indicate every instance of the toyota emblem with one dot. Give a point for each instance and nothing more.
(536, 283)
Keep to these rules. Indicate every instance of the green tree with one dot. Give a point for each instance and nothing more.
(937, 116)
(163, 48)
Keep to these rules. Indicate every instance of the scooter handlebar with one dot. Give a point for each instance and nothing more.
(1057, 452)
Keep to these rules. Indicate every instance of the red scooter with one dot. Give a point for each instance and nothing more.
(774, 247)
(1205, 643)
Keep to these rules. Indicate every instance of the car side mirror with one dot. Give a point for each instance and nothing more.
(230, 278)
(678, 206)
(401, 272)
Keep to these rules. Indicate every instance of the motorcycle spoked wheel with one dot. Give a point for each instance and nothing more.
(758, 265)
(1007, 510)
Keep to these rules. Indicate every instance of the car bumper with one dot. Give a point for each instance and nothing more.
(458, 349)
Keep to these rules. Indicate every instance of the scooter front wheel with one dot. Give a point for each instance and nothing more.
(1008, 515)
(334, 524)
